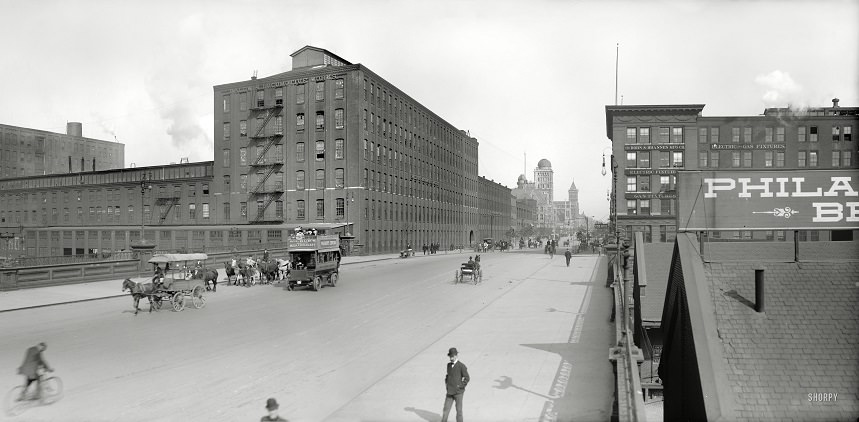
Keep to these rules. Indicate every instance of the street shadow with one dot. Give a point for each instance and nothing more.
(739, 298)
(424, 414)
(506, 382)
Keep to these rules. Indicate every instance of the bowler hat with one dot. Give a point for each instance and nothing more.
(452, 352)
(271, 404)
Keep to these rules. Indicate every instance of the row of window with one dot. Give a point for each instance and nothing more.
(339, 123)
(641, 159)
(642, 135)
(739, 159)
(101, 195)
(300, 95)
(667, 233)
(643, 207)
(642, 183)
(275, 156)
(109, 214)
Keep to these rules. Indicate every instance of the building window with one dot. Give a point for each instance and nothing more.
(768, 158)
(320, 150)
(664, 158)
(147, 213)
(645, 206)
(365, 148)
(800, 134)
(747, 135)
(338, 149)
(677, 159)
(278, 125)
(631, 160)
(667, 233)
(243, 156)
(644, 183)
(714, 159)
(836, 133)
(662, 135)
(226, 158)
(299, 121)
(299, 210)
(812, 158)
(702, 135)
(227, 182)
(205, 211)
(320, 179)
(320, 120)
(320, 91)
(243, 128)
(260, 209)
(779, 135)
(299, 180)
(812, 134)
(735, 135)
(278, 209)
(243, 183)
(338, 118)
(847, 158)
(192, 211)
(341, 207)
(702, 160)
(801, 160)
(299, 94)
(260, 98)
(677, 135)
(320, 208)
(768, 135)
(226, 103)
(226, 131)
(339, 85)
(848, 133)
(735, 159)
(365, 119)
(243, 101)
(644, 159)
(631, 207)
(630, 135)
(631, 184)
(644, 135)
(338, 178)
(747, 158)
(278, 96)
(666, 184)
(299, 152)
(243, 210)
(836, 158)
(366, 177)
(779, 159)
(714, 135)
(665, 206)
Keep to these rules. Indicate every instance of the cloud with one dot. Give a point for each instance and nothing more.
(780, 89)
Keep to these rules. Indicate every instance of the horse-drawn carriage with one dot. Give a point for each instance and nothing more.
(469, 270)
(315, 260)
(177, 283)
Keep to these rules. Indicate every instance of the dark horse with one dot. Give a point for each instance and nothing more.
(139, 290)
(207, 275)
(269, 270)
(231, 272)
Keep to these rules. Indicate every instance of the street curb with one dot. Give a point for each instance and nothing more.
(126, 294)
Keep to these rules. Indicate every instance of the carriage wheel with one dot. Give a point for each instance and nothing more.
(332, 279)
(197, 298)
(317, 283)
(178, 301)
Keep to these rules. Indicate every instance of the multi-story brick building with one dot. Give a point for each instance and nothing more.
(494, 206)
(32, 152)
(331, 141)
(651, 142)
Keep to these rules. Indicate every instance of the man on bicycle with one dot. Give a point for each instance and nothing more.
(33, 361)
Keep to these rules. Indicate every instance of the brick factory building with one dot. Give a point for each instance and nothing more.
(494, 207)
(32, 152)
(652, 142)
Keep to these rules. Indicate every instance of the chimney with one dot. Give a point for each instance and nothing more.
(74, 129)
(759, 290)
(835, 103)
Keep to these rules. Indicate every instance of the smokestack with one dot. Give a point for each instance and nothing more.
(74, 129)
(834, 102)
(759, 290)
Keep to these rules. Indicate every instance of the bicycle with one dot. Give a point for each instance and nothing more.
(51, 392)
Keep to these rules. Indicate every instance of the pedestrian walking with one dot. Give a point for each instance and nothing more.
(568, 255)
(455, 381)
(272, 407)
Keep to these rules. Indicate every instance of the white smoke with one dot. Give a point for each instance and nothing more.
(781, 90)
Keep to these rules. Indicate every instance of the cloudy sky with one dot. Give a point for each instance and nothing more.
(525, 77)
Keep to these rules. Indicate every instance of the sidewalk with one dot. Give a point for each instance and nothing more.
(70, 293)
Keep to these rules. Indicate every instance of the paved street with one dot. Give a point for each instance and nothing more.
(534, 335)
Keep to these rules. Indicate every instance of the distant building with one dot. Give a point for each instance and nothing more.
(494, 209)
(540, 190)
(651, 142)
(32, 152)
(568, 211)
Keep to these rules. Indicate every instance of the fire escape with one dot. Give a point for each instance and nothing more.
(265, 190)
(165, 203)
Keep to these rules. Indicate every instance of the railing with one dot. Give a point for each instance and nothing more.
(268, 117)
(38, 261)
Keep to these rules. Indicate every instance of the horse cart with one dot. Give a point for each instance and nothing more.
(468, 270)
(178, 283)
(315, 261)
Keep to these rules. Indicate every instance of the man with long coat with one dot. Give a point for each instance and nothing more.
(33, 361)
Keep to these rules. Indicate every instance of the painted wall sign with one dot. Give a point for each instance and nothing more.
(284, 83)
(650, 171)
(768, 200)
(747, 146)
(638, 147)
(663, 195)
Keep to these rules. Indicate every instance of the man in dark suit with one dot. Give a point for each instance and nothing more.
(455, 381)
(33, 362)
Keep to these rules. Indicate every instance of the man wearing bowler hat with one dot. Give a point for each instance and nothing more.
(455, 381)
(272, 406)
